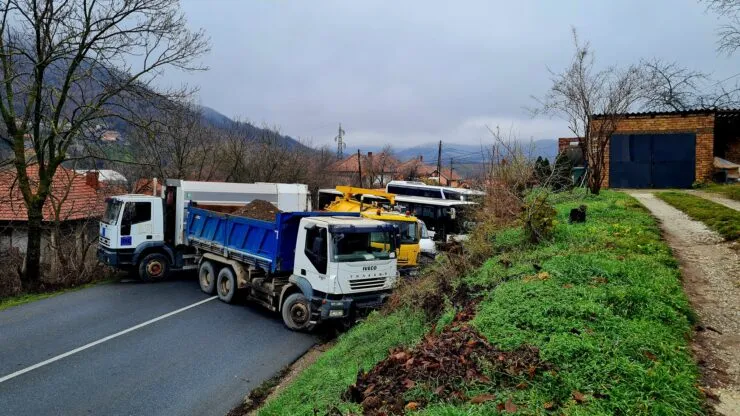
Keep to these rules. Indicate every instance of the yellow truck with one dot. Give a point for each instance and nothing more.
(366, 202)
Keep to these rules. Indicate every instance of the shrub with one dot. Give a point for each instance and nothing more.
(538, 217)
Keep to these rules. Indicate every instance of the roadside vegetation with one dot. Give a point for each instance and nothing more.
(731, 191)
(591, 320)
(723, 220)
(9, 302)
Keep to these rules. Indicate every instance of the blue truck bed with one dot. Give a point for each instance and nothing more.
(266, 245)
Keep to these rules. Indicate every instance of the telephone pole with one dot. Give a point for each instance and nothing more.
(341, 145)
(450, 178)
(439, 164)
(359, 166)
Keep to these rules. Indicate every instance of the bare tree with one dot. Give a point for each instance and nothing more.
(581, 91)
(380, 167)
(671, 87)
(729, 31)
(176, 143)
(69, 65)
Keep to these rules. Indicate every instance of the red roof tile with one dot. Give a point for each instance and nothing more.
(71, 197)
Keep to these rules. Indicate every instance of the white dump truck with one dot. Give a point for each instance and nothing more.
(309, 266)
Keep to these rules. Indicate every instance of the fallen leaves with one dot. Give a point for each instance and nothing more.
(443, 363)
(482, 398)
(578, 396)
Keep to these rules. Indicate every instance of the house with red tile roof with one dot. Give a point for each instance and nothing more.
(76, 200)
(416, 170)
(377, 170)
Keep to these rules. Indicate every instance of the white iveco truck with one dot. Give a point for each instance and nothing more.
(309, 266)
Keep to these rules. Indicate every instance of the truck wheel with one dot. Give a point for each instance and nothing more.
(226, 285)
(207, 277)
(297, 312)
(154, 267)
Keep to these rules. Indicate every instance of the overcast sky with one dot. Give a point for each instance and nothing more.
(413, 72)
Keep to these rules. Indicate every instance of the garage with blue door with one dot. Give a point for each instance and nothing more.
(652, 160)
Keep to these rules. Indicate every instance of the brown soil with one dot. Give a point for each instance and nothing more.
(710, 269)
(258, 209)
(443, 363)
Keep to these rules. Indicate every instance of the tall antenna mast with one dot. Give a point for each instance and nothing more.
(341, 145)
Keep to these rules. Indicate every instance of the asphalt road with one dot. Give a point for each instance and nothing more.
(197, 361)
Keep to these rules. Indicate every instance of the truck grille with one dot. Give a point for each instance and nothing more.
(363, 284)
(104, 241)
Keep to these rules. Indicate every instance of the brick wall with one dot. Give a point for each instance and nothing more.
(732, 152)
(700, 124)
(565, 142)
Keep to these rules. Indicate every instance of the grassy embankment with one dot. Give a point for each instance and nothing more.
(723, 220)
(23, 298)
(727, 191)
(602, 302)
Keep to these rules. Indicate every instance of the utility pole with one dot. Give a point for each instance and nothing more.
(439, 164)
(359, 166)
(450, 178)
(341, 145)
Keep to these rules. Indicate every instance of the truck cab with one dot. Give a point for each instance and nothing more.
(131, 227)
(349, 263)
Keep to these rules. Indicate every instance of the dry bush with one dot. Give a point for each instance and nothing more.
(71, 259)
(11, 263)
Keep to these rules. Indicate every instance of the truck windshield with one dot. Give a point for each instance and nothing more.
(363, 246)
(111, 211)
(409, 233)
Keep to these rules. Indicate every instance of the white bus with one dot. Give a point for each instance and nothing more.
(420, 189)
(447, 218)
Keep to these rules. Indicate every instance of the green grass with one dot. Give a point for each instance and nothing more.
(610, 315)
(320, 386)
(728, 191)
(724, 220)
(21, 299)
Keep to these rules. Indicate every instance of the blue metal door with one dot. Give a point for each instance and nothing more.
(652, 160)
(674, 160)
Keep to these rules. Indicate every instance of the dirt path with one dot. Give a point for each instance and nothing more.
(729, 203)
(711, 278)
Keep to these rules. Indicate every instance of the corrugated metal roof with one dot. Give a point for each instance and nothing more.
(692, 111)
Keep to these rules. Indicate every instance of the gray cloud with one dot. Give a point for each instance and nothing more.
(419, 71)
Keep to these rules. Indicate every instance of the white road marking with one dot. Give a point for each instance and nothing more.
(102, 340)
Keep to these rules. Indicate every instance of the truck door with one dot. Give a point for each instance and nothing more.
(136, 224)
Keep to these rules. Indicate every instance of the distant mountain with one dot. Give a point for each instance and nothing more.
(465, 153)
(215, 118)
(222, 122)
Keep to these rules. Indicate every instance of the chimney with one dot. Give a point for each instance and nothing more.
(91, 179)
(421, 158)
(369, 154)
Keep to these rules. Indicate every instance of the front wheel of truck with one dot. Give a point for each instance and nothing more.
(154, 268)
(297, 312)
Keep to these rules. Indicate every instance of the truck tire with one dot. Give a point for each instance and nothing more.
(207, 277)
(297, 312)
(154, 267)
(226, 285)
